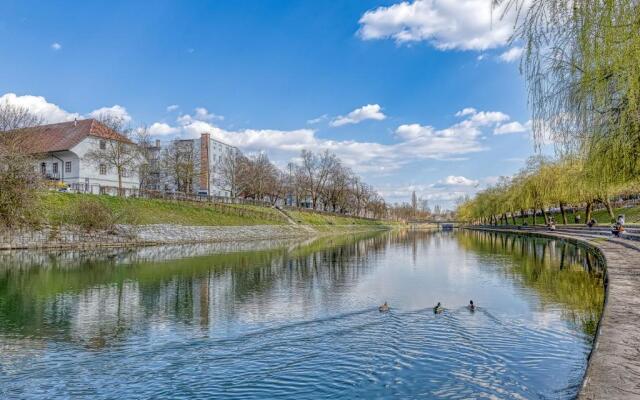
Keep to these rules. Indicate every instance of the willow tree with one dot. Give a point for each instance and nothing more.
(583, 75)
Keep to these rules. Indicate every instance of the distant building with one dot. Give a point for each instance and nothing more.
(209, 158)
(60, 150)
(154, 177)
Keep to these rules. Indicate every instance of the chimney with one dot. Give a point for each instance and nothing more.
(157, 142)
(205, 139)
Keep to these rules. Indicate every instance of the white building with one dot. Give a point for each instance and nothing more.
(209, 156)
(61, 150)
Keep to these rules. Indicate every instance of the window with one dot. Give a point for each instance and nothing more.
(103, 169)
(55, 168)
(67, 166)
(103, 145)
(43, 168)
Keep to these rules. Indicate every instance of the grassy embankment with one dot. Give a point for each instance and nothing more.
(632, 216)
(56, 208)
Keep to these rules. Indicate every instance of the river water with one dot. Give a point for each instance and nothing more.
(300, 320)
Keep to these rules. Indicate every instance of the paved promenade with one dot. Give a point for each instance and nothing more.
(614, 365)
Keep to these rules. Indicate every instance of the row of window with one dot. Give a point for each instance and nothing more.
(67, 168)
(54, 168)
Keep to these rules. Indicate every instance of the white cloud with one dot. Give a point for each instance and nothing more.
(511, 127)
(370, 111)
(202, 114)
(173, 107)
(116, 111)
(413, 141)
(38, 105)
(466, 111)
(511, 55)
(317, 120)
(446, 24)
(162, 129)
(56, 46)
(452, 180)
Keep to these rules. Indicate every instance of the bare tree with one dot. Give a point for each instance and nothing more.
(17, 117)
(230, 171)
(259, 176)
(179, 162)
(316, 170)
(120, 154)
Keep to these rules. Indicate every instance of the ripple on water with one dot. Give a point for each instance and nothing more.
(361, 354)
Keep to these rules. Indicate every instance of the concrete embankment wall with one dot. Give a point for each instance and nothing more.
(142, 235)
(613, 370)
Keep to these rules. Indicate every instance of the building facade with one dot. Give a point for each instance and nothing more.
(60, 152)
(209, 158)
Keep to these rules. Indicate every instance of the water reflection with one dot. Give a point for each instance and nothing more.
(299, 320)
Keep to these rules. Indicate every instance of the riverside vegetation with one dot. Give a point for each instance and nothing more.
(581, 65)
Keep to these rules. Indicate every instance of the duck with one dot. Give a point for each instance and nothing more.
(384, 307)
(471, 306)
(438, 308)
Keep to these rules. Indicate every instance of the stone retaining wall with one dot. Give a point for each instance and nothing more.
(142, 235)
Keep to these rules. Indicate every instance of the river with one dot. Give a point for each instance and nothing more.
(300, 320)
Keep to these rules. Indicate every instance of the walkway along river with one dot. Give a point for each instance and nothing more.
(300, 320)
(614, 364)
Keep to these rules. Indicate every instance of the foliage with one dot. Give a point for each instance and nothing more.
(91, 214)
(18, 186)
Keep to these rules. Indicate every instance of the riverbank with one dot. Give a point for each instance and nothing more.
(613, 370)
(73, 237)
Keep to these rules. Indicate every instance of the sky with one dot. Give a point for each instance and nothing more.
(420, 95)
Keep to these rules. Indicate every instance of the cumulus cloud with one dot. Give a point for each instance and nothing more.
(452, 180)
(511, 127)
(172, 108)
(413, 142)
(162, 129)
(466, 111)
(511, 55)
(116, 111)
(446, 24)
(370, 111)
(56, 46)
(202, 114)
(38, 105)
(52, 113)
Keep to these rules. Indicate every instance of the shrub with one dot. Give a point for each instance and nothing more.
(92, 214)
(19, 184)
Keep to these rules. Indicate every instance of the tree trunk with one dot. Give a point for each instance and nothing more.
(522, 215)
(506, 220)
(535, 215)
(544, 215)
(119, 183)
(564, 214)
(607, 204)
(513, 218)
(587, 213)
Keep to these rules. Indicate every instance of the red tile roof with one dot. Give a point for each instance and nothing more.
(62, 136)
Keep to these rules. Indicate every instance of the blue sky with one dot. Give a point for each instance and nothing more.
(408, 94)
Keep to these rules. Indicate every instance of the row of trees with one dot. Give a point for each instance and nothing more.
(543, 185)
(581, 66)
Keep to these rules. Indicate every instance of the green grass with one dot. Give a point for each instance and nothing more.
(57, 206)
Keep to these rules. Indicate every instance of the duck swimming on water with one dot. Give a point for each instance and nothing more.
(384, 307)
(438, 308)
(471, 306)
